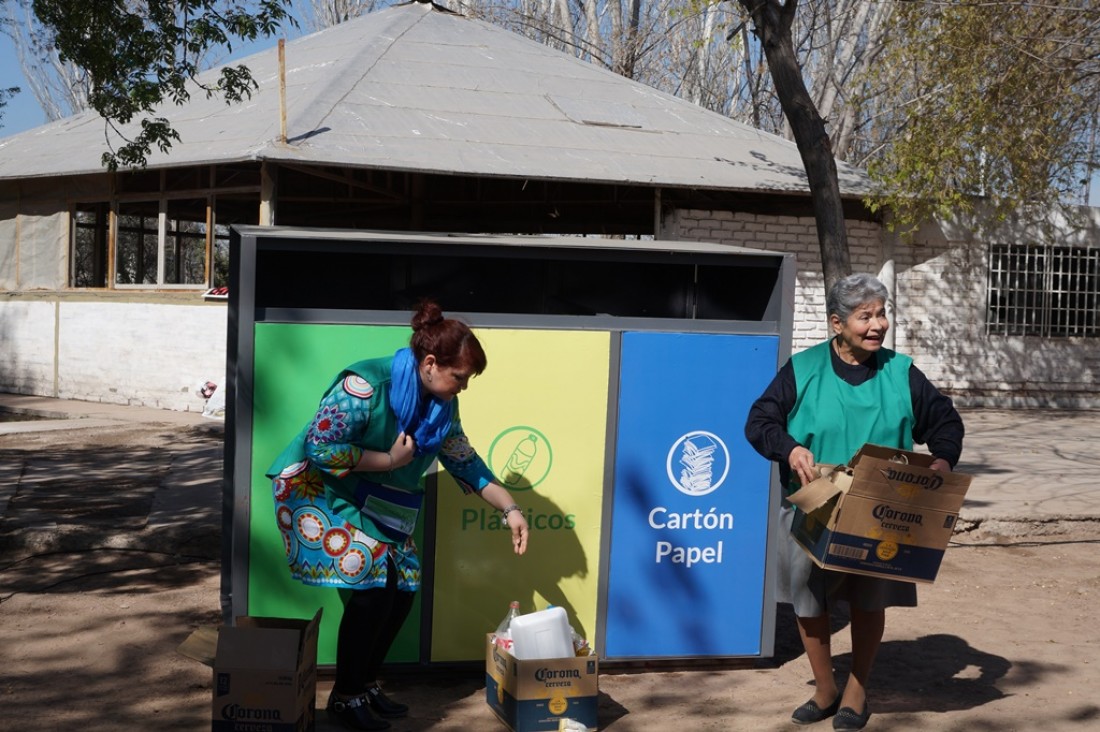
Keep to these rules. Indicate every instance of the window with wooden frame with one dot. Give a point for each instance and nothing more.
(162, 243)
(88, 245)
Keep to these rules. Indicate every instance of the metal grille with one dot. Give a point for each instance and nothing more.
(1043, 291)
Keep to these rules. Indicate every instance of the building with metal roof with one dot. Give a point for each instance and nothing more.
(414, 88)
(415, 118)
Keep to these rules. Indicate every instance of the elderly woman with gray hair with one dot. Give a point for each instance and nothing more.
(823, 406)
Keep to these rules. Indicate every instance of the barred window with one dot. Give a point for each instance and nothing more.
(1043, 291)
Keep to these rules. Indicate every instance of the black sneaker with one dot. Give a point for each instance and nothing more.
(385, 706)
(354, 713)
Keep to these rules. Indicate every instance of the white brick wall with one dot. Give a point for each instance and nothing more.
(115, 352)
(939, 313)
(941, 318)
(27, 357)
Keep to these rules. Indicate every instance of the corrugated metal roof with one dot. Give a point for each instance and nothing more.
(413, 88)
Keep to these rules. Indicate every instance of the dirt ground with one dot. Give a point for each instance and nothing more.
(91, 613)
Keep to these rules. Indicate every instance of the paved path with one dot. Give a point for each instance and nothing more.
(69, 413)
(1032, 465)
(155, 492)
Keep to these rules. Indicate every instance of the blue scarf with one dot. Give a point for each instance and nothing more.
(405, 401)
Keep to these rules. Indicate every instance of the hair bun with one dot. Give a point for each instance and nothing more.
(428, 313)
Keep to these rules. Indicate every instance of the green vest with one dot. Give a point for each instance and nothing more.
(834, 419)
(341, 492)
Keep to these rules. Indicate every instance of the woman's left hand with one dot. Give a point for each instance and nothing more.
(518, 524)
(499, 498)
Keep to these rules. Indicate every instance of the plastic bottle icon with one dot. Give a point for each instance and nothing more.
(520, 459)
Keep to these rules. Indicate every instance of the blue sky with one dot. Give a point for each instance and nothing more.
(23, 113)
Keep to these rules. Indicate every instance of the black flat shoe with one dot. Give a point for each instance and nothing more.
(383, 705)
(849, 720)
(810, 712)
(354, 713)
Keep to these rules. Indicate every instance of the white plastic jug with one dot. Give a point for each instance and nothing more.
(542, 634)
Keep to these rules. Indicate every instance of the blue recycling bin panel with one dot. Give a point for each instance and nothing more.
(691, 507)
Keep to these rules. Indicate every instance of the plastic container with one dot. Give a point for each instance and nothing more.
(542, 634)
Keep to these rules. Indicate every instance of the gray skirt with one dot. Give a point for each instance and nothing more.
(810, 588)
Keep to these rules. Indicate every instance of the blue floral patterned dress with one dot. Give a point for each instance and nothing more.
(338, 525)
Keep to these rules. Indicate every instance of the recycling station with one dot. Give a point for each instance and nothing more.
(620, 373)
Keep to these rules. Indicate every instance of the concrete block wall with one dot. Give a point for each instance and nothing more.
(940, 312)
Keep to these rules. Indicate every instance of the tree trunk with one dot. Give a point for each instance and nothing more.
(772, 20)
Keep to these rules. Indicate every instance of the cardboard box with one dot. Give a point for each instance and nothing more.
(536, 695)
(885, 514)
(265, 673)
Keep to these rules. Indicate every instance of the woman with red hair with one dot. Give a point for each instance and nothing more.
(348, 494)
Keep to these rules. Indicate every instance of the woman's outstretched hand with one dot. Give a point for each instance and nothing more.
(518, 524)
(500, 499)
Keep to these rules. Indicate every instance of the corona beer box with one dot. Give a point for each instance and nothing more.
(535, 695)
(265, 673)
(885, 514)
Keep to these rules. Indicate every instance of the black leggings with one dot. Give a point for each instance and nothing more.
(371, 621)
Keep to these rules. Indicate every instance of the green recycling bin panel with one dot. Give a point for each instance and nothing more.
(294, 365)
